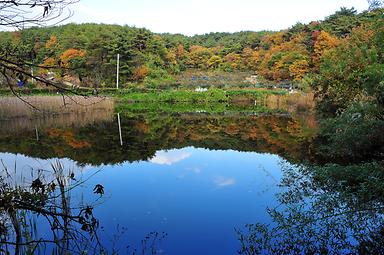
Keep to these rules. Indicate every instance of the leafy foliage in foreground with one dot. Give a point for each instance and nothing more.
(46, 202)
(336, 207)
(329, 209)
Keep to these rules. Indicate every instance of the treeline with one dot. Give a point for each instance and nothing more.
(86, 53)
(347, 76)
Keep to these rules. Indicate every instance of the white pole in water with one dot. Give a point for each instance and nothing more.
(118, 121)
(33, 79)
(37, 134)
(117, 71)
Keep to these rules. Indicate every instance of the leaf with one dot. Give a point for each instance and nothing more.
(37, 185)
(99, 189)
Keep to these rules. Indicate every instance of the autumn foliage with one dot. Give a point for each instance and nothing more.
(51, 42)
(140, 73)
(286, 56)
(69, 55)
(323, 42)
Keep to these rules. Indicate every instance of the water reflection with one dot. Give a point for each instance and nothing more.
(132, 136)
(37, 215)
(221, 181)
(323, 210)
(169, 157)
(197, 200)
(192, 171)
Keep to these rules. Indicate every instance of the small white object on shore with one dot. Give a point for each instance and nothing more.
(200, 89)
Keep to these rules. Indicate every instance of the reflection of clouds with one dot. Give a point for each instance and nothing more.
(195, 170)
(169, 157)
(221, 181)
(20, 170)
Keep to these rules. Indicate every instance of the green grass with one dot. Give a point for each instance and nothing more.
(152, 95)
(212, 95)
(189, 107)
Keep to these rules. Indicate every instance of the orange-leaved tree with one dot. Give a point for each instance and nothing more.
(73, 61)
(323, 42)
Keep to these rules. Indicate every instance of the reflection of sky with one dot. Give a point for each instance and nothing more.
(221, 181)
(25, 169)
(197, 196)
(169, 157)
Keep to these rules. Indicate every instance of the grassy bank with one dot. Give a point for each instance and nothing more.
(148, 95)
(189, 107)
(209, 96)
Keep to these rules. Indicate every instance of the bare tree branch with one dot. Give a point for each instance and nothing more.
(374, 4)
(21, 14)
(25, 13)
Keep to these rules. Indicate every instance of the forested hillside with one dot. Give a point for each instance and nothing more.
(86, 54)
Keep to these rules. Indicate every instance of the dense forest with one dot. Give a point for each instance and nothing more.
(86, 54)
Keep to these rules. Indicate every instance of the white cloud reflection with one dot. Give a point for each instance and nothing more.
(221, 181)
(169, 157)
(22, 170)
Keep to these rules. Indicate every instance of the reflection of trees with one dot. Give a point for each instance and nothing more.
(45, 203)
(144, 134)
(324, 210)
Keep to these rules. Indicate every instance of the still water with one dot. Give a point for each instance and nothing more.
(196, 196)
(174, 182)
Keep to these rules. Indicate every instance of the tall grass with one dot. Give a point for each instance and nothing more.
(16, 116)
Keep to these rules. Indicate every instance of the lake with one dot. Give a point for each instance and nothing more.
(175, 179)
